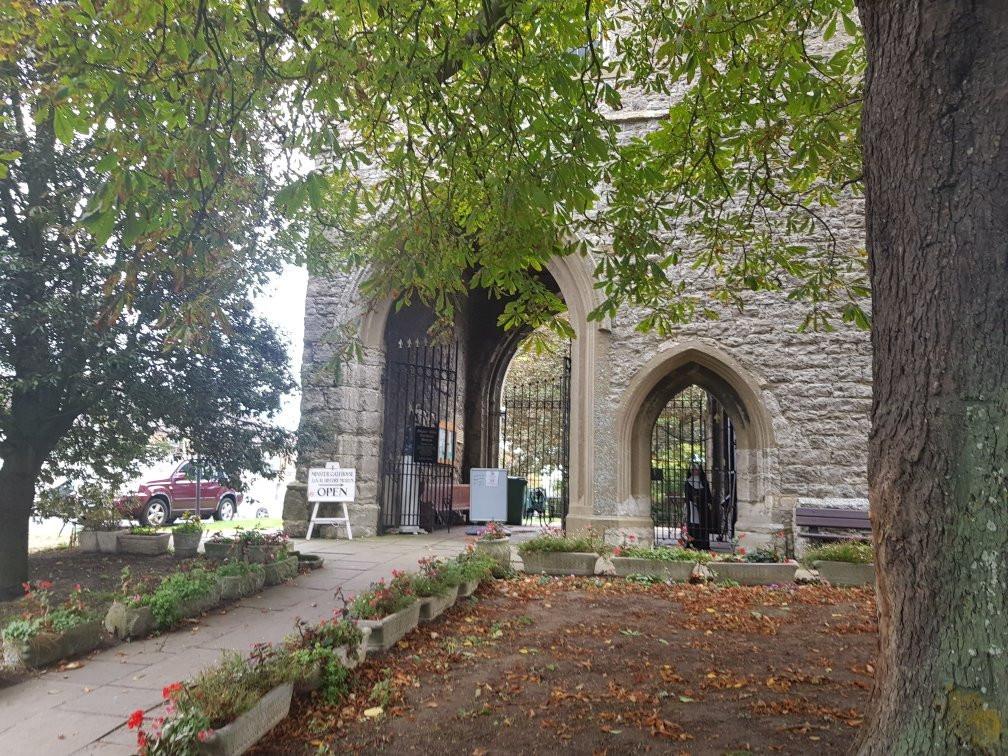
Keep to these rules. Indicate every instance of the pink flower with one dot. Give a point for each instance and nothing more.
(204, 735)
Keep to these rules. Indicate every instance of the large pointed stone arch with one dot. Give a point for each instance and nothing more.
(353, 437)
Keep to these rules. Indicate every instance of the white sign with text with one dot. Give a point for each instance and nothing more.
(332, 484)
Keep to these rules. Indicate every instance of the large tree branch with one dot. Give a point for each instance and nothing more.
(494, 15)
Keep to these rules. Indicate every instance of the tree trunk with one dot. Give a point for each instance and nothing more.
(18, 475)
(936, 166)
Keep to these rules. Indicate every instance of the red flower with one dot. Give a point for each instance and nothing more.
(77, 587)
(45, 585)
(173, 688)
(135, 720)
(741, 551)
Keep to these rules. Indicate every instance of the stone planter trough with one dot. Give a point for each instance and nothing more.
(108, 541)
(219, 549)
(662, 569)
(129, 621)
(200, 605)
(87, 540)
(186, 544)
(45, 648)
(248, 729)
(432, 607)
(846, 573)
(468, 588)
(500, 550)
(149, 545)
(385, 632)
(754, 573)
(278, 572)
(351, 658)
(237, 586)
(259, 554)
(559, 562)
(311, 561)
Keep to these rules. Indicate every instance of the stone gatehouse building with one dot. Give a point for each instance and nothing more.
(782, 415)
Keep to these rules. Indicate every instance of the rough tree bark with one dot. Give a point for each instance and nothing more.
(18, 475)
(935, 125)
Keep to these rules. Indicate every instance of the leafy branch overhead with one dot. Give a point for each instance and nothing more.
(423, 139)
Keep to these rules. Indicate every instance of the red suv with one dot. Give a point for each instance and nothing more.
(159, 502)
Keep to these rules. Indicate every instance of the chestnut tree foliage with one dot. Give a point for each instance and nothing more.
(91, 298)
(452, 144)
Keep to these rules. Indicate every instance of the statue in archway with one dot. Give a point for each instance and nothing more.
(700, 510)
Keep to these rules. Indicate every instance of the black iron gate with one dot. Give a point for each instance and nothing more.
(693, 431)
(418, 462)
(535, 440)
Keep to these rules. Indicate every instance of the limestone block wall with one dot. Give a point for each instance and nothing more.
(341, 413)
(815, 389)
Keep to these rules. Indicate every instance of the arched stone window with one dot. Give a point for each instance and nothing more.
(700, 368)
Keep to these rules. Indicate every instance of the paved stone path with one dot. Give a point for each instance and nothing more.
(84, 710)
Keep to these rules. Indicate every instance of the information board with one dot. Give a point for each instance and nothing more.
(332, 484)
(488, 494)
(425, 444)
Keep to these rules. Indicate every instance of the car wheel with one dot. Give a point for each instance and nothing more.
(225, 510)
(262, 513)
(155, 513)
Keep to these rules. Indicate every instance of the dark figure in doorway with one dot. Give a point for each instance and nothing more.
(699, 506)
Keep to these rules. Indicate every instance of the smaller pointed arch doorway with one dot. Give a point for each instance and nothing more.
(694, 496)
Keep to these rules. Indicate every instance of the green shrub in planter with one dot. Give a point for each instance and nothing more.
(845, 563)
(556, 540)
(186, 536)
(382, 599)
(855, 552)
(664, 553)
(43, 633)
(178, 590)
(661, 562)
(206, 709)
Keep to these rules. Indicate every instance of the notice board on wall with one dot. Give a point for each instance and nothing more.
(488, 494)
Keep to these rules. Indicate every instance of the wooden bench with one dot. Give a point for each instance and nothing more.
(809, 521)
(461, 497)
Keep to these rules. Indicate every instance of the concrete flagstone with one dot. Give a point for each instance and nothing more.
(52, 733)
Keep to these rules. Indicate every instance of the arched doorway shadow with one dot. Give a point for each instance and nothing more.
(668, 374)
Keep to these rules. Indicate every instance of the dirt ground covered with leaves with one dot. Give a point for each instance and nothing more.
(610, 667)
